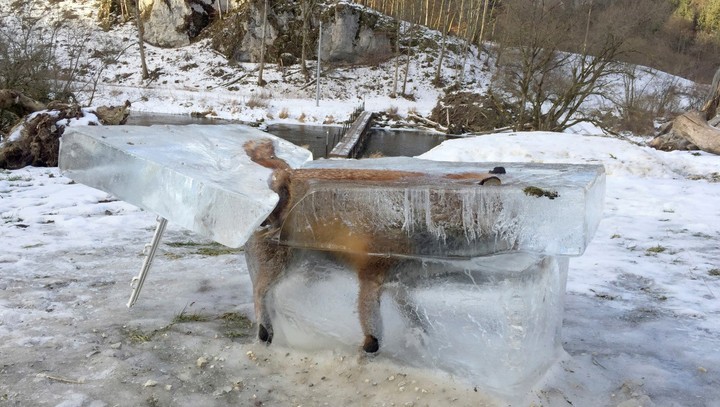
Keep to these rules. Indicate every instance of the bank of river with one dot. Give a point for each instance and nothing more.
(318, 139)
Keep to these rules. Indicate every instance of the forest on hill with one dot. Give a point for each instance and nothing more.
(681, 37)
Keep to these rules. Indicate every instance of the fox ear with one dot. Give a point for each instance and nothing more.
(263, 152)
(259, 150)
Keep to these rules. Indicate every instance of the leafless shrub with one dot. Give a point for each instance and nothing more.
(645, 95)
(258, 100)
(49, 60)
(284, 114)
(392, 113)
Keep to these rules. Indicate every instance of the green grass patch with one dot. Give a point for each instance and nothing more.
(184, 244)
(184, 318)
(656, 249)
(205, 249)
(138, 336)
(236, 325)
(216, 251)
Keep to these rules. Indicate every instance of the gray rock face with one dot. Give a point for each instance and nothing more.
(250, 46)
(351, 34)
(173, 23)
(347, 39)
(164, 22)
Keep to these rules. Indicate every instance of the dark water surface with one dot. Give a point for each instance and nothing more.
(318, 139)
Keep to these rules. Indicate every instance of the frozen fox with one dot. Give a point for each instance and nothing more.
(360, 247)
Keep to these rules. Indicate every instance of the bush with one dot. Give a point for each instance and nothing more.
(466, 112)
(47, 60)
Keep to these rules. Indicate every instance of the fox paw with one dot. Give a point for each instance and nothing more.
(371, 344)
(265, 335)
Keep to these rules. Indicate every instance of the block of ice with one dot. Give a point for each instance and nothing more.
(476, 273)
(538, 208)
(198, 177)
(493, 321)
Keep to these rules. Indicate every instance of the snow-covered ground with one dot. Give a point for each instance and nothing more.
(642, 316)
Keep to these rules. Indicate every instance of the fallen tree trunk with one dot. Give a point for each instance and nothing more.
(428, 122)
(693, 127)
(18, 103)
(691, 130)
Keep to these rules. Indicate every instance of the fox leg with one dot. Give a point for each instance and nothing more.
(371, 277)
(271, 262)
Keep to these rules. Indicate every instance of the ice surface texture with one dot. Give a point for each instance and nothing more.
(493, 321)
(479, 284)
(198, 177)
(543, 209)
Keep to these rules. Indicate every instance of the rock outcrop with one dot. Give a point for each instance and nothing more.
(356, 34)
(351, 34)
(173, 23)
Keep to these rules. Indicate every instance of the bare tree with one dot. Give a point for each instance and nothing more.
(411, 35)
(549, 84)
(260, 81)
(446, 27)
(306, 8)
(141, 40)
(397, 56)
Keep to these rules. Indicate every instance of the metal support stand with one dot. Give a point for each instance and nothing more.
(137, 282)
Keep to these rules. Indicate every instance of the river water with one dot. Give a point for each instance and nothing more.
(318, 139)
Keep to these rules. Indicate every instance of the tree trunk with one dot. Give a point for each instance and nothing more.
(18, 103)
(141, 40)
(411, 33)
(260, 81)
(692, 130)
(305, 8)
(693, 127)
(397, 57)
(713, 100)
(446, 27)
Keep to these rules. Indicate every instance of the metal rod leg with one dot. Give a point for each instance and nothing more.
(137, 282)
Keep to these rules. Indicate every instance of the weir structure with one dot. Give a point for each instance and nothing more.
(353, 143)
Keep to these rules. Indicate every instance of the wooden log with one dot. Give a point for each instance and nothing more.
(693, 126)
(428, 122)
(18, 103)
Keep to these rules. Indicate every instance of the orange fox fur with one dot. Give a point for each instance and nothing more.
(272, 258)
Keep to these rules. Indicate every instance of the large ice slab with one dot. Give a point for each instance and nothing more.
(198, 177)
(493, 322)
(538, 208)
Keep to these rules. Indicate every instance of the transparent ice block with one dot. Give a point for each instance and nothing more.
(478, 286)
(493, 322)
(441, 213)
(196, 176)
